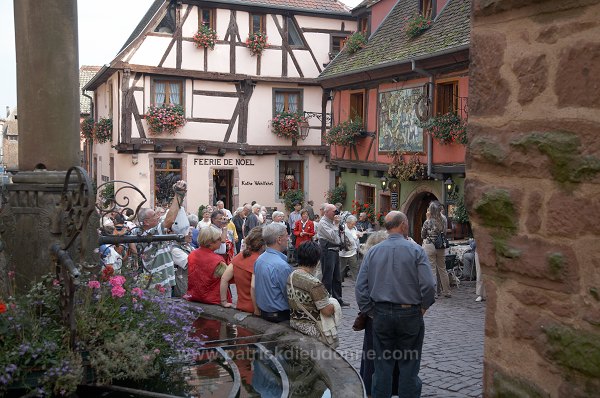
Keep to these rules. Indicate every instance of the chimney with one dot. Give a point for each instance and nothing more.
(7, 111)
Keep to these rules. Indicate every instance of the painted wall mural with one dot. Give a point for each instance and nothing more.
(398, 123)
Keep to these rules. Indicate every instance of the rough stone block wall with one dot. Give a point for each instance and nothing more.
(533, 193)
(11, 154)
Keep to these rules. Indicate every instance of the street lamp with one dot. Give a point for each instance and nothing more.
(303, 128)
(449, 183)
(384, 183)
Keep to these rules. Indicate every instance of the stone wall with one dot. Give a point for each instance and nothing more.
(533, 193)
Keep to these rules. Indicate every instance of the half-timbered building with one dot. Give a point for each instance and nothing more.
(395, 85)
(226, 150)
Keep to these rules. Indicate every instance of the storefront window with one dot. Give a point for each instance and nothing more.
(166, 173)
(291, 176)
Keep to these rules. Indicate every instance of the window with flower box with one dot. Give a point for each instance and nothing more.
(446, 98)
(286, 100)
(207, 17)
(168, 92)
(258, 23)
(365, 193)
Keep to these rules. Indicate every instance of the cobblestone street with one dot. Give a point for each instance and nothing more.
(452, 363)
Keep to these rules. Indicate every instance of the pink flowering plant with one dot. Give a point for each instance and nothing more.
(124, 332)
(103, 130)
(165, 118)
(205, 37)
(87, 128)
(286, 124)
(257, 42)
(345, 133)
(355, 42)
(447, 128)
(416, 24)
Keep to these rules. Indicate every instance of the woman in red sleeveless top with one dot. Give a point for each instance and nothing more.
(241, 272)
(205, 269)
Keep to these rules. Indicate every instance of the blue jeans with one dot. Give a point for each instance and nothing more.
(397, 337)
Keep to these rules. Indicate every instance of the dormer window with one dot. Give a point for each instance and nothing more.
(363, 24)
(426, 8)
(167, 24)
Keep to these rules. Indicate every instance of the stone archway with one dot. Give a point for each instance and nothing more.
(415, 208)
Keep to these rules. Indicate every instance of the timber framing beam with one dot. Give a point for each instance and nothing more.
(191, 146)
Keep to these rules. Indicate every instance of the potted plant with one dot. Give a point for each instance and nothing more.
(447, 128)
(407, 170)
(367, 208)
(345, 133)
(286, 124)
(355, 42)
(165, 118)
(87, 128)
(256, 43)
(205, 37)
(416, 24)
(460, 219)
(103, 130)
(336, 195)
(292, 196)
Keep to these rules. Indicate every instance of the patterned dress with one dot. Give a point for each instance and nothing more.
(311, 293)
(158, 260)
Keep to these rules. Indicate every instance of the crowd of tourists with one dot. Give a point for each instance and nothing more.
(292, 271)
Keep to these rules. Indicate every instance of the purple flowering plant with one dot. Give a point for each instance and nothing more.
(286, 124)
(124, 332)
(165, 118)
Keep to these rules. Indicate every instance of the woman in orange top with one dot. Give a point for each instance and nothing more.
(241, 271)
(205, 269)
(304, 229)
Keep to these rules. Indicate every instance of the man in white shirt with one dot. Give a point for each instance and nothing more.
(221, 206)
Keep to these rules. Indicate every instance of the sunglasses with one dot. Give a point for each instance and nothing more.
(119, 227)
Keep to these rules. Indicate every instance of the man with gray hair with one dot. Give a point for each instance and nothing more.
(330, 241)
(251, 219)
(221, 206)
(271, 272)
(156, 257)
(395, 286)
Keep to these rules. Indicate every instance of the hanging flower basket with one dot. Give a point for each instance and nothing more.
(345, 133)
(205, 37)
(87, 128)
(447, 128)
(165, 118)
(286, 124)
(355, 42)
(409, 170)
(103, 130)
(257, 42)
(416, 25)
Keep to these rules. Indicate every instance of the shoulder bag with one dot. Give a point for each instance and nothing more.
(327, 339)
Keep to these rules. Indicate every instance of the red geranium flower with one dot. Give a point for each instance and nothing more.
(2, 307)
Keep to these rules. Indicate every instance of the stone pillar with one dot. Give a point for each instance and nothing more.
(35, 216)
(47, 83)
(533, 193)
